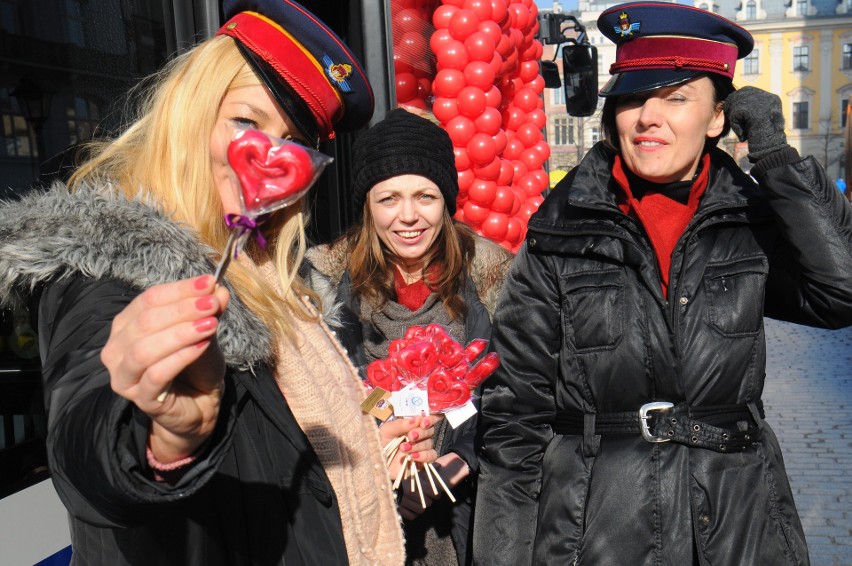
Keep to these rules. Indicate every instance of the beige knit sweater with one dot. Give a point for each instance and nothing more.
(324, 392)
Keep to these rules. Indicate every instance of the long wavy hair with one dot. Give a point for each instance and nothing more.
(164, 155)
(445, 267)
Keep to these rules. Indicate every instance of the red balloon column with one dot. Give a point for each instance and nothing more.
(488, 97)
(413, 62)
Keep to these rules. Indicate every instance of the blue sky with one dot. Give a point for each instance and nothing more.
(566, 4)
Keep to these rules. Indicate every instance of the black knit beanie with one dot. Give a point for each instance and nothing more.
(404, 143)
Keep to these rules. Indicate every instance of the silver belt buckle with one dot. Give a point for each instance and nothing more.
(643, 419)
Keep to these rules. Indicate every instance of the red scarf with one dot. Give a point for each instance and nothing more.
(664, 218)
(411, 295)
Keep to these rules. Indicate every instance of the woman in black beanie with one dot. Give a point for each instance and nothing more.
(407, 262)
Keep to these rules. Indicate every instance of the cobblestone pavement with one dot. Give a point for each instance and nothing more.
(808, 402)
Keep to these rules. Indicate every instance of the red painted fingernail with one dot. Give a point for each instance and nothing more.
(413, 435)
(426, 423)
(202, 344)
(204, 303)
(415, 454)
(205, 324)
(202, 282)
(405, 447)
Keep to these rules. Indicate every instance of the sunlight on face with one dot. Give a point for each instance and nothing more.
(408, 215)
(662, 132)
(244, 107)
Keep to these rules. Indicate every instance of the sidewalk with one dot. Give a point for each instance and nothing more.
(808, 402)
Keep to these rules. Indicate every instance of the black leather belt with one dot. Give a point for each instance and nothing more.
(726, 428)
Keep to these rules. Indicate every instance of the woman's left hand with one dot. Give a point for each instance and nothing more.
(453, 470)
(419, 432)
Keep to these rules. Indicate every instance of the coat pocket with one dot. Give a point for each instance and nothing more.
(735, 292)
(593, 309)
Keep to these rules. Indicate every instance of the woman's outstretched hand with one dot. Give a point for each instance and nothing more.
(419, 432)
(162, 355)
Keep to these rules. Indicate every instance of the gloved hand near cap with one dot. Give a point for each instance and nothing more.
(755, 116)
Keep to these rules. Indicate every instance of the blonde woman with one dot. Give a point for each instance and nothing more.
(192, 423)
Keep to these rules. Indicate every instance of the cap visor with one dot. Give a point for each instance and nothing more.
(645, 80)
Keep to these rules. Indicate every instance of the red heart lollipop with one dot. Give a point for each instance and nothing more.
(483, 368)
(475, 348)
(267, 175)
(417, 359)
(445, 392)
(384, 374)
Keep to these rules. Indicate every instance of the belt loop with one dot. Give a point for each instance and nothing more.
(591, 443)
(755, 414)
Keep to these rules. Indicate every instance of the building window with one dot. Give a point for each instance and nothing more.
(847, 56)
(14, 130)
(751, 63)
(801, 7)
(801, 58)
(558, 96)
(563, 132)
(800, 115)
(844, 107)
(751, 10)
(83, 118)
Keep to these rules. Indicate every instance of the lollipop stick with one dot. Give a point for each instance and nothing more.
(419, 487)
(443, 485)
(431, 479)
(402, 470)
(227, 255)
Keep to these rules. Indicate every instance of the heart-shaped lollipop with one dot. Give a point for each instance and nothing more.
(444, 392)
(483, 368)
(269, 176)
(417, 359)
(384, 374)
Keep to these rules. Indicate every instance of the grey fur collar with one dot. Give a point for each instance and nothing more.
(98, 233)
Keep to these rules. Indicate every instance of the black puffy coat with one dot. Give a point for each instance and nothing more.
(583, 331)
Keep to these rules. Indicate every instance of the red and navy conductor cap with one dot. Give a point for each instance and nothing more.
(308, 69)
(662, 44)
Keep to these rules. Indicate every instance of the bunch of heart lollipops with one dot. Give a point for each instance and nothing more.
(428, 362)
(270, 173)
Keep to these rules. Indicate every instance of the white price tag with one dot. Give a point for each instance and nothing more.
(460, 414)
(409, 402)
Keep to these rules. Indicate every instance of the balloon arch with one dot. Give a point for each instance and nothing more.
(474, 64)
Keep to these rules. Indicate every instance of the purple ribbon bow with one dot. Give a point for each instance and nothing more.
(247, 224)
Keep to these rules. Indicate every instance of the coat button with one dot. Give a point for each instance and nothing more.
(705, 519)
(532, 242)
(684, 300)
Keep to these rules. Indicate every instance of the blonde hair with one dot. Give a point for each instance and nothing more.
(165, 155)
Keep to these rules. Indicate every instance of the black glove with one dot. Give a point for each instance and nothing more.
(755, 116)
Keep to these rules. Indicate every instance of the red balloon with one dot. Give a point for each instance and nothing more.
(445, 109)
(489, 171)
(528, 208)
(407, 18)
(543, 149)
(482, 8)
(507, 172)
(442, 16)
(463, 23)
(531, 158)
(495, 226)
(466, 177)
(528, 71)
(480, 47)
(505, 46)
(415, 102)
(412, 44)
(519, 198)
(400, 65)
(406, 86)
(514, 118)
(498, 11)
(493, 97)
(520, 15)
(500, 141)
(529, 185)
(537, 84)
(460, 129)
(453, 55)
(496, 64)
(448, 83)
(537, 117)
(471, 102)
(542, 180)
(513, 231)
(489, 121)
(504, 199)
(482, 192)
(462, 160)
(439, 39)
(490, 28)
(526, 99)
(479, 74)
(424, 88)
(513, 149)
(457, 3)
(529, 134)
(474, 213)
(481, 149)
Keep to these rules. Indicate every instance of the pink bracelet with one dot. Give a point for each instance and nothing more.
(170, 467)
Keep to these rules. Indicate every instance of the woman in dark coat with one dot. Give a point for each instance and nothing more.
(625, 424)
(407, 263)
(190, 422)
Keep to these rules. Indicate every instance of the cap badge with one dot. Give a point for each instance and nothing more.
(338, 72)
(625, 28)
